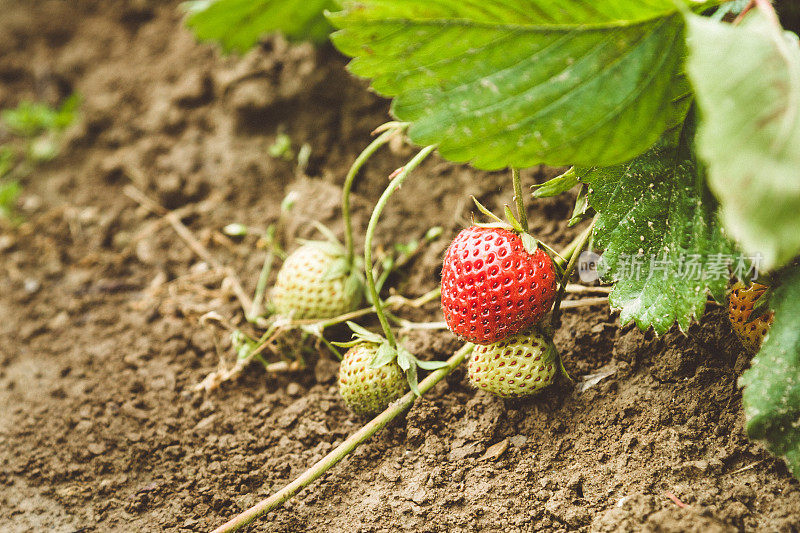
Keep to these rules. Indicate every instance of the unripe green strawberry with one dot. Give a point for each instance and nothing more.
(520, 365)
(368, 390)
(740, 306)
(314, 282)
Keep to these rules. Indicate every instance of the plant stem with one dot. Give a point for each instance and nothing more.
(568, 250)
(348, 184)
(394, 301)
(261, 287)
(331, 347)
(341, 451)
(429, 296)
(522, 215)
(396, 263)
(373, 222)
(574, 252)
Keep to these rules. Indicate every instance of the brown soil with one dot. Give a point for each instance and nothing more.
(102, 342)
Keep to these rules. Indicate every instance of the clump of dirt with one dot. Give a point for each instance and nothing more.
(103, 342)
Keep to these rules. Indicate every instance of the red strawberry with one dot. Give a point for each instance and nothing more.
(492, 287)
(740, 306)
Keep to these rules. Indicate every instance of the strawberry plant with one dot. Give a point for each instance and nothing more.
(321, 284)
(385, 350)
(32, 136)
(680, 120)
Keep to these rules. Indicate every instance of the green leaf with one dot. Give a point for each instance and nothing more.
(485, 210)
(67, 113)
(529, 242)
(237, 25)
(521, 82)
(581, 206)
(383, 356)
(29, 119)
(747, 80)
(772, 384)
(354, 286)
(340, 344)
(557, 185)
(9, 194)
(337, 269)
(407, 248)
(433, 233)
(431, 365)
(7, 160)
(761, 306)
(363, 333)
(281, 148)
(413, 380)
(330, 236)
(662, 243)
(243, 344)
(408, 363)
(404, 358)
(515, 224)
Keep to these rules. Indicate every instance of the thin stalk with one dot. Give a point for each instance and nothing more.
(429, 296)
(373, 222)
(331, 347)
(580, 242)
(522, 215)
(570, 248)
(341, 451)
(396, 263)
(384, 275)
(261, 287)
(352, 315)
(262, 342)
(348, 184)
(408, 325)
(562, 258)
(393, 301)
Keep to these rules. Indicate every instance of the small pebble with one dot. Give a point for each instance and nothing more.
(32, 285)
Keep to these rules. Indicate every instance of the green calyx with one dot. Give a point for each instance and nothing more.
(529, 242)
(512, 223)
(563, 183)
(386, 354)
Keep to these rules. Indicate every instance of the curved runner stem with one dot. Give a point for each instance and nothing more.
(348, 185)
(373, 222)
(341, 451)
